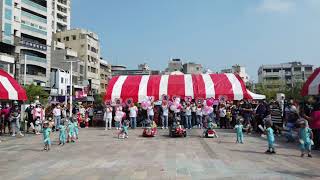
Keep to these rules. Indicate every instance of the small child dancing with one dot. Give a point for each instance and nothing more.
(71, 133)
(46, 136)
(305, 138)
(239, 131)
(270, 137)
(62, 134)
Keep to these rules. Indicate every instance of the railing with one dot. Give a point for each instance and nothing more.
(35, 58)
(34, 17)
(23, 26)
(35, 5)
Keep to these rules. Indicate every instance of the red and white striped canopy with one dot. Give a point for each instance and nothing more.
(10, 89)
(196, 86)
(312, 85)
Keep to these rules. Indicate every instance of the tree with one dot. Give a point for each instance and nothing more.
(33, 91)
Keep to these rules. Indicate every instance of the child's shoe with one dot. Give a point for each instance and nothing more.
(302, 155)
(268, 152)
(309, 155)
(273, 152)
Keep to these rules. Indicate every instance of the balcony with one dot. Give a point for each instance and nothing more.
(6, 58)
(71, 53)
(34, 17)
(35, 58)
(32, 29)
(34, 5)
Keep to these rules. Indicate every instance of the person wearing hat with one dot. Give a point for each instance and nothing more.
(38, 117)
(270, 137)
(15, 119)
(46, 136)
(30, 123)
(305, 138)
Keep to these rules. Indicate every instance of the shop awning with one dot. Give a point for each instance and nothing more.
(312, 85)
(10, 88)
(230, 86)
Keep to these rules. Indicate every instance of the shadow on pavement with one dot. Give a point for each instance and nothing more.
(256, 152)
(300, 174)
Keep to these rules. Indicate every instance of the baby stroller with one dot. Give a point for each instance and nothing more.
(176, 129)
(150, 130)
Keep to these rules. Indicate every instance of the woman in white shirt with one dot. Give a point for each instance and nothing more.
(165, 114)
(150, 112)
(107, 117)
(133, 110)
(188, 116)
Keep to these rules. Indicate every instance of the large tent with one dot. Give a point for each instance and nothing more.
(230, 86)
(10, 88)
(312, 85)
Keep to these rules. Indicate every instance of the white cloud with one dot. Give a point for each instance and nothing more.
(279, 6)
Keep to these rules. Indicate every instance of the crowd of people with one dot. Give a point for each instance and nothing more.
(285, 117)
(296, 121)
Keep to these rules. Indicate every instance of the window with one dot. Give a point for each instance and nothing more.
(297, 69)
(7, 29)
(88, 47)
(59, 39)
(62, 80)
(308, 68)
(88, 58)
(81, 69)
(9, 2)
(276, 70)
(82, 36)
(67, 38)
(267, 70)
(8, 14)
(74, 37)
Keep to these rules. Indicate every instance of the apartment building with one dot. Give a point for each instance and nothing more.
(192, 68)
(61, 11)
(238, 69)
(26, 36)
(276, 75)
(87, 46)
(105, 75)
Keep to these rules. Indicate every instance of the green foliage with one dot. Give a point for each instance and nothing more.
(33, 91)
(98, 99)
(290, 92)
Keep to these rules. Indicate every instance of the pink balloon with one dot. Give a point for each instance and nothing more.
(209, 102)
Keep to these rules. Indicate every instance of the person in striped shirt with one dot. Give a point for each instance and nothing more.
(276, 117)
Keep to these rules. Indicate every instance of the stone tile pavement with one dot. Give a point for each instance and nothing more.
(99, 154)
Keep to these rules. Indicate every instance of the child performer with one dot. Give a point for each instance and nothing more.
(76, 129)
(305, 138)
(118, 117)
(62, 134)
(239, 131)
(270, 138)
(71, 130)
(124, 129)
(46, 136)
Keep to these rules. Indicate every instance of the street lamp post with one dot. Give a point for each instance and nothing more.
(71, 62)
(25, 70)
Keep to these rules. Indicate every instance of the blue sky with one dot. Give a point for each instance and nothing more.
(215, 33)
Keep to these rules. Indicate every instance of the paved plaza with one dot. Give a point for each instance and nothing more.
(100, 154)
